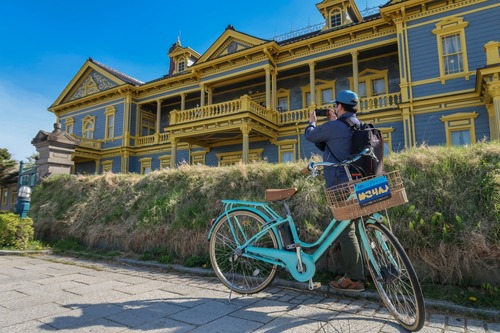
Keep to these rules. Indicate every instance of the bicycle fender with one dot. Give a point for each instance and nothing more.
(249, 209)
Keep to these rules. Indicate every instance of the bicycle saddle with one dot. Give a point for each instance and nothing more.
(280, 194)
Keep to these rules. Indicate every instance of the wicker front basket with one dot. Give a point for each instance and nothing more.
(344, 204)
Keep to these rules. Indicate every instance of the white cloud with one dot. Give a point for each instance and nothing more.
(22, 114)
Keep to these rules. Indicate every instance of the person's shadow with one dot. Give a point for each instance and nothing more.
(184, 313)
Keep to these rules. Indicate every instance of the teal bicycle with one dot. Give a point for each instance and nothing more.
(249, 241)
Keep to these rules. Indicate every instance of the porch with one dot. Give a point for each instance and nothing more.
(188, 123)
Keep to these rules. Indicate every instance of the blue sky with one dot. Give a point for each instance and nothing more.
(45, 43)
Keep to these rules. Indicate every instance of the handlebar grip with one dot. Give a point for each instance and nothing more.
(304, 171)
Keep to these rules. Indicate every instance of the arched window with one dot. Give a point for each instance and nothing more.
(88, 127)
(335, 18)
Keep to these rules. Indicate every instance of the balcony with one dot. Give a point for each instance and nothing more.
(89, 143)
(219, 110)
(217, 122)
(367, 104)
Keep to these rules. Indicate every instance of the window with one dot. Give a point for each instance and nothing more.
(326, 95)
(460, 137)
(282, 104)
(148, 124)
(283, 100)
(145, 165)
(5, 194)
(452, 54)
(110, 121)
(450, 36)
(88, 127)
(387, 137)
(325, 90)
(287, 156)
(107, 166)
(198, 157)
(371, 82)
(69, 123)
(235, 157)
(460, 129)
(164, 161)
(181, 66)
(335, 18)
(308, 99)
(13, 196)
(286, 150)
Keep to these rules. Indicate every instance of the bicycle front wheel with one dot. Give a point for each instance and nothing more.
(397, 282)
(239, 273)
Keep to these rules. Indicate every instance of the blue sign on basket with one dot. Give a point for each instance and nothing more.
(372, 191)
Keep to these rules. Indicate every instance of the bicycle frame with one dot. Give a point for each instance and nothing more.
(301, 265)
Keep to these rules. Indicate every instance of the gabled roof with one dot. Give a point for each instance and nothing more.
(178, 49)
(93, 77)
(120, 75)
(229, 42)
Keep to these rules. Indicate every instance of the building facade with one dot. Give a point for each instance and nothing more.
(426, 71)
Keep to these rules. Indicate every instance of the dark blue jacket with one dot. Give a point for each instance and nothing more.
(338, 137)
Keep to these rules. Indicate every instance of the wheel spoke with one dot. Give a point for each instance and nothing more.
(397, 283)
(238, 272)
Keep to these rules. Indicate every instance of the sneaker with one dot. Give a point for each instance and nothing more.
(346, 284)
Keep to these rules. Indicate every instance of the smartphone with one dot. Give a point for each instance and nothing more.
(321, 112)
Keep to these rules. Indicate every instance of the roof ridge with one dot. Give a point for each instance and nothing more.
(127, 78)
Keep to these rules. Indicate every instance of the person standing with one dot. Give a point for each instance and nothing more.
(338, 138)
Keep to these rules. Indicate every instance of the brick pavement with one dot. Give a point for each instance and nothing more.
(49, 293)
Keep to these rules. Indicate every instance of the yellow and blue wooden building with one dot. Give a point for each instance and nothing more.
(426, 71)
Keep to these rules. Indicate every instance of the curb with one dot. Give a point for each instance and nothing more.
(23, 252)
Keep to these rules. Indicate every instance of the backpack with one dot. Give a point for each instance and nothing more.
(363, 135)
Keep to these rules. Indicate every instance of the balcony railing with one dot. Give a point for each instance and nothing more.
(380, 102)
(150, 140)
(218, 110)
(89, 143)
(245, 104)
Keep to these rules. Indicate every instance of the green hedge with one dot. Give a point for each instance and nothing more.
(15, 232)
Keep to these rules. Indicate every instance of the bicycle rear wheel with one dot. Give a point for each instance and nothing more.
(397, 284)
(242, 274)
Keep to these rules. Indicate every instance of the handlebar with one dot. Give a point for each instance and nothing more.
(313, 166)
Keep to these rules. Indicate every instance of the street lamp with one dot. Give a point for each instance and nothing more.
(23, 201)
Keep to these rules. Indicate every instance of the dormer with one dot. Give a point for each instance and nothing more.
(338, 13)
(181, 58)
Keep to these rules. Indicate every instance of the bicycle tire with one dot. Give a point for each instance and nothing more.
(239, 273)
(399, 287)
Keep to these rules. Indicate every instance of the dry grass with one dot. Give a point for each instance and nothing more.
(452, 223)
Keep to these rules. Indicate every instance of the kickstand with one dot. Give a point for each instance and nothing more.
(232, 284)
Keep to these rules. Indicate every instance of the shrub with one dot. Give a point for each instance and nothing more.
(15, 231)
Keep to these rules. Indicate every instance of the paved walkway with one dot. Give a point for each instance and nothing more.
(49, 293)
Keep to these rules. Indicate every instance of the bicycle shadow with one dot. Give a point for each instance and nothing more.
(184, 313)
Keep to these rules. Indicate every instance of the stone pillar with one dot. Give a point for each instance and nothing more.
(54, 151)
